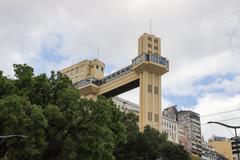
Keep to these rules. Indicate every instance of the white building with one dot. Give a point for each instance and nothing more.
(126, 106)
(176, 133)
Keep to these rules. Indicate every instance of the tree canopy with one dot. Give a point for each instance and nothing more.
(58, 124)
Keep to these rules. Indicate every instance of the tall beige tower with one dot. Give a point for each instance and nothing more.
(145, 72)
(150, 73)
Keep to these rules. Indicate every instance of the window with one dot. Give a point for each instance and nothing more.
(97, 66)
(102, 69)
(149, 45)
(150, 116)
(156, 47)
(156, 117)
(155, 90)
(150, 88)
(156, 40)
(149, 52)
(150, 38)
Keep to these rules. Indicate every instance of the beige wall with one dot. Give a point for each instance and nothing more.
(150, 100)
(222, 147)
(85, 69)
(150, 44)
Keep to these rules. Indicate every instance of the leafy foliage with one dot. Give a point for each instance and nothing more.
(59, 125)
(147, 145)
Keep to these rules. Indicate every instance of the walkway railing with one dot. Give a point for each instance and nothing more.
(145, 57)
(150, 57)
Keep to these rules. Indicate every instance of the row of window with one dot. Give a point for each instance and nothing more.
(150, 89)
(98, 67)
(155, 39)
(74, 71)
(169, 126)
(150, 46)
(150, 117)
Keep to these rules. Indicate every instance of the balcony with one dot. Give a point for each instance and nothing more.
(152, 62)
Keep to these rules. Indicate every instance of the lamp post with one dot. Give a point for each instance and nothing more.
(232, 127)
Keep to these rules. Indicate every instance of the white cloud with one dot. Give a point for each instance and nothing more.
(218, 103)
(200, 38)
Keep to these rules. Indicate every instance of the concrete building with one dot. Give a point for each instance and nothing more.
(171, 112)
(176, 133)
(126, 106)
(190, 124)
(84, 70)
(222, 146)
(191, 121)
(145, 72)
(209, 152)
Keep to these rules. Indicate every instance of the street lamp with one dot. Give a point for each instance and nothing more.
(235, 129)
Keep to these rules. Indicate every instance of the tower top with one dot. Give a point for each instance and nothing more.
(149, 44)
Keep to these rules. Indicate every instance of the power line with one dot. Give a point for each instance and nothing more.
(223, 112)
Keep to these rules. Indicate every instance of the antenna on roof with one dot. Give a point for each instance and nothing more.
(150, 25)
(98, 54)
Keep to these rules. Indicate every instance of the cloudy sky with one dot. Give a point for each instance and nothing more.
(201, 38)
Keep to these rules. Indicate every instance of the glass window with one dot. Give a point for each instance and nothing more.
(150, 88)
(155, 90)
(150, 116)
(156, 118)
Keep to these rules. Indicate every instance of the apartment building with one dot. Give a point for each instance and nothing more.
(222, 146)
(191, 121)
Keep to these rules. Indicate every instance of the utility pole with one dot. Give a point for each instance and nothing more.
(234, 138)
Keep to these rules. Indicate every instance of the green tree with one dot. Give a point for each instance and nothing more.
(57, 123)
(147, 145)
(7, 86)
(19, 117)
(60, 125)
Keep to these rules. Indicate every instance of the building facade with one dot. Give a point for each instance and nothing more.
(175, 132)
(191, 121)
(125, 105)
(84, 70)
(223, 146)
(209, 152)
